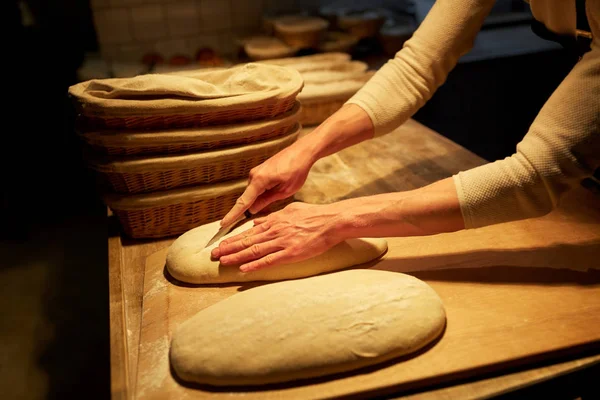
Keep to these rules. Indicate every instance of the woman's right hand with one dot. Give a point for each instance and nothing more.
(277, 178)
(284, 174)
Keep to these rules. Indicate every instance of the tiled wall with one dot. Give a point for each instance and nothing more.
(128, 29)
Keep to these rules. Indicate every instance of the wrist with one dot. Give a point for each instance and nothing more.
(336, 226)
(348, 126)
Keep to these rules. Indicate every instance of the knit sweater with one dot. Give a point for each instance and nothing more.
(562, 145)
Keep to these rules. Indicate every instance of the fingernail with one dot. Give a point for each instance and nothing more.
(215, 253)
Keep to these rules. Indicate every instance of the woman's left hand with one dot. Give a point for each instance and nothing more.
(298, 232)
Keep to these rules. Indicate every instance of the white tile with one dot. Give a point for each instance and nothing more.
(97, 4)
(245, 21)
(252, 7)
(149, 22)
(228, 45)
(132, 52)
(125, 3)
(215, 22)
(113, 25)
(109, 52)
(182, 18)
(171, 47)
(213, 7)
(212, 41)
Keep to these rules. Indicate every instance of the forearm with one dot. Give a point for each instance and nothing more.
(405, 83)
(429, 210)
(348, 126)
(561, 148)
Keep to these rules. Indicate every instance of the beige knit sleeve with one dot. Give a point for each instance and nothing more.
(561, 148)
(405, 83)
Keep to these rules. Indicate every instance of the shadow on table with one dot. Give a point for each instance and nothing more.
(551, 265)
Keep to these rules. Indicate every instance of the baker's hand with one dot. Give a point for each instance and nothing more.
(277, 178)
(298, 232)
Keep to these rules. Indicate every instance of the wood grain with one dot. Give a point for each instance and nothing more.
(330, 179)
(118, 340)
(514, 294)
(496, 385)
(410, 157)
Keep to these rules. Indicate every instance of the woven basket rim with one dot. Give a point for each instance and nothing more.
(335, 90)
(149, 163)
(310, 24)
(335, 72)
(313, 60)
(336, 41)
(194, 135)
(127, 202)
(291, 83)
(261, 54)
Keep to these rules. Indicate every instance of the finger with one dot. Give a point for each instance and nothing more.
(242, 204)
(240, 245)
(254, 252)
(270, 260)
(266, 198)
(217, 251)
(259, 221)
(249, 232)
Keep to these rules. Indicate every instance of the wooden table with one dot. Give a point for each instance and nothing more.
(410, 157)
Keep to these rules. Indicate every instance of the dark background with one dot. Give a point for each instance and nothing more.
(52, 216)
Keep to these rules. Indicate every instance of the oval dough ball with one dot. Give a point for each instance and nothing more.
(307, 328)
(188, 260)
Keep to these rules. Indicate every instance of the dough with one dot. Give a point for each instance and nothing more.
(307, 328)
(188, 261)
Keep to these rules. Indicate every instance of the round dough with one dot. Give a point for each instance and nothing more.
(188, 260)
(307, 328)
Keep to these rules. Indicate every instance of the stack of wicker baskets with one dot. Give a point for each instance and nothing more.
(330, 79)
(174, 151)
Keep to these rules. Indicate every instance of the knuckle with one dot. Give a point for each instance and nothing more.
(246, 242)
(292, 207)
(255, 250)
(269, 259)
(294, 250)
(241, 202)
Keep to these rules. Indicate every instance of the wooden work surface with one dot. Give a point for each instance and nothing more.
(517, 255)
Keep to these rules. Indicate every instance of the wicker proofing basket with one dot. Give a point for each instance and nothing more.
(148, 174)
(301, 32)
(335, 72)
(265, 48)
(155, 101)
(178, 141)
(320, 101)
(361, 26)
(313, 62)
(171, 213)
(338, 42)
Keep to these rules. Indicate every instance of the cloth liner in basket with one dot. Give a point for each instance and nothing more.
(241, 93)
(185, 140)
(320, 100)
(154, 173)
(173, 212)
